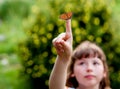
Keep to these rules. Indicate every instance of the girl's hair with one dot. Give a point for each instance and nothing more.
(87, 49)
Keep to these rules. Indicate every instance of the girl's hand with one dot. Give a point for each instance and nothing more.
(63, 43)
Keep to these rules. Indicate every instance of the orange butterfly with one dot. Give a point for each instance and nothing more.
(66, 16)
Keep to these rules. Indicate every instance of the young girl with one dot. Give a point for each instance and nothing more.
(84, 68)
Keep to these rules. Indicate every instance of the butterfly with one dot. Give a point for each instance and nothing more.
(66, 16)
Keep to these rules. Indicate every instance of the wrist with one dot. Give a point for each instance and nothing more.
(64, 59)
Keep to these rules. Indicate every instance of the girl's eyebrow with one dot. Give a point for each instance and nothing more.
(97, 60)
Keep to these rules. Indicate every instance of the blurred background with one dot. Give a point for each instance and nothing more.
(27, 28)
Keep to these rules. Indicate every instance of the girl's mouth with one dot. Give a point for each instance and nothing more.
(89, 76)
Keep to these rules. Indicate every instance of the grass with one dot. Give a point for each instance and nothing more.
(8, 78)
(10, 73)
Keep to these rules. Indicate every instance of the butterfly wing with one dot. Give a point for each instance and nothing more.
(63, 16)
(66, 16)
(69, 15)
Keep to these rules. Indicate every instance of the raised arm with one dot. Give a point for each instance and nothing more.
(63, 45)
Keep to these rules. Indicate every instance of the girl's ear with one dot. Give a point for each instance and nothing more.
(72, 75)
(104, 75)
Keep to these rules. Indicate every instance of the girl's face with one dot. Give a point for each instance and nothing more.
(88, 72)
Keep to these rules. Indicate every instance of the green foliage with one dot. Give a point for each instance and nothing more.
(12, 12)
(10, 79)
(11, 15)
(14, 8)
(91, 21)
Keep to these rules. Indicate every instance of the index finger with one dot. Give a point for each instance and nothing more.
(68, 28)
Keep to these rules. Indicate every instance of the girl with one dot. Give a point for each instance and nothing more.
(84, 68)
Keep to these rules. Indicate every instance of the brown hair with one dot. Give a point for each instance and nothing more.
(85, 50)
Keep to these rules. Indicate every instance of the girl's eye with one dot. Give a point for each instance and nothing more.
(82, 63)
(95, 63)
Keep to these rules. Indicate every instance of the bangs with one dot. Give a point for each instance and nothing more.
(87, 53)
(87, 50)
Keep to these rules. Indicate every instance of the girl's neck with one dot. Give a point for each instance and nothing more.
(92, 87)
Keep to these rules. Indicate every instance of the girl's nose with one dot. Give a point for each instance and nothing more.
(89, 68)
